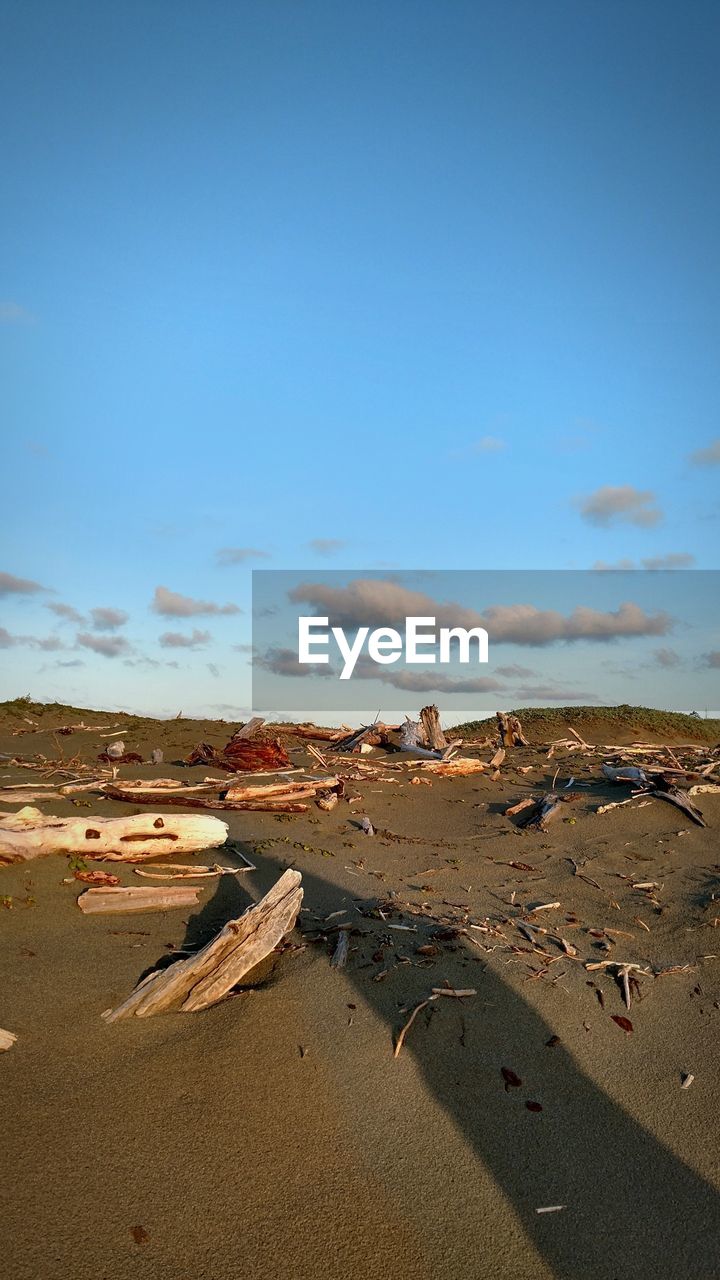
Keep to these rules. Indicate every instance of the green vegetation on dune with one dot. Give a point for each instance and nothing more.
(625, 723)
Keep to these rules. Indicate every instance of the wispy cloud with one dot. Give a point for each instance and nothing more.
(432, 682)
(239, 555)
(48, 644)
(326, 546)
(214, 671)
(711, 660)
(554, 693)
(108, 619)
(488, 444)
(107, 646)
(667, 658)
(284, 662)
(170, 604)
(707, 457)
(10, 585)
(176, 640)
(673, 560)
(613, 504)
(65, 611)
(13, 313)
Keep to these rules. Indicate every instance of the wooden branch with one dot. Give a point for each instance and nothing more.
(111, 901)
(457, 768)
(286, 790)
(207, 977)
(276, 804)
(31, 834)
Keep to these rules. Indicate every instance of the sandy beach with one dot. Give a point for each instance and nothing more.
(276, 1134)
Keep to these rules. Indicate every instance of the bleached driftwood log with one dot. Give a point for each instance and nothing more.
(7, 1040)
(277, 797)
(111, 901)
(207, 977)
(31, 834)
(460, 767)
(434, 736)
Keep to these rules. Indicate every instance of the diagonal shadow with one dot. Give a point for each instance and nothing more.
(634, 1210)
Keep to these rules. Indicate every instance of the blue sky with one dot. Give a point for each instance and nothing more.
(392, 285)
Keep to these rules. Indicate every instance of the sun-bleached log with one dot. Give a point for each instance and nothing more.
(276, 804)
(7, 1040)
(207, 977)
(430, 722)
(31, 834)
(110, 901)
(275, 790)
(275, 797)
(460, 767)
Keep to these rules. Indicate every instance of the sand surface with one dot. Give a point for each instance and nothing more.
(276, 1135)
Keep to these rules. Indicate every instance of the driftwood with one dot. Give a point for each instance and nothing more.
(186, 871)
(276, 805)
(207, 977)
(433, 734)
(372, 735)
(277, 790)
(7, 1040)
(242, 755)
(31, 834)
(510, 730)
(312, 731)
(111, 901)
(680, 799)
(248, 729)
(327, 801)
(276, 797)
(547, 807)
(436, 993)
(457, 768)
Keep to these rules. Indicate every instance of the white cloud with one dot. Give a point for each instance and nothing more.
(620, 504)
(673, 560)
(667, 658)
(708, 457)
(66, 612)
(239, 555)
(108, 646)
(107, 619)
(326, 546)
(176, 640)
(170, 604)
(13, 313)
(49, 644)
(379, 602)
(10, 585)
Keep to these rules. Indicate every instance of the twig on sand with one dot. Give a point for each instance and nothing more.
(436, 993)
(623, 974)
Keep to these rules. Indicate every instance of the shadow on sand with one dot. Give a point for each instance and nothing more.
(634, 1210)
